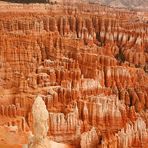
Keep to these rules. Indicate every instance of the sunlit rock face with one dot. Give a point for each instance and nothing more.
(40, 124)
(40, 127)
(88, 66)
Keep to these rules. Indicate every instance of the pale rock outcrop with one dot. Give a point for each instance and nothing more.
(89, 139)
(40, 125)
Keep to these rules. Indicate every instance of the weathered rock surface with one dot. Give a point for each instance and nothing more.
(88, 63)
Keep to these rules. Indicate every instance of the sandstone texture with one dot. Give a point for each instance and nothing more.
(73, 76)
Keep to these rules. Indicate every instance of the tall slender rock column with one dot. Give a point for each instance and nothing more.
(40, 125)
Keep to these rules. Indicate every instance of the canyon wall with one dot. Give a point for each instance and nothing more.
(87, 62)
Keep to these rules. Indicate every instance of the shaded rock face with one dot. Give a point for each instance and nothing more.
(88, 63)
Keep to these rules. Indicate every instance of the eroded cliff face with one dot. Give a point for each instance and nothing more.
(89, 64)
(134, 4)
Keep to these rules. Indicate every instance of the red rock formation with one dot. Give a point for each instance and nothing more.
(87, 62)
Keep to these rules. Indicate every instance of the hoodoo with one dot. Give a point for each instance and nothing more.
(88, 63)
